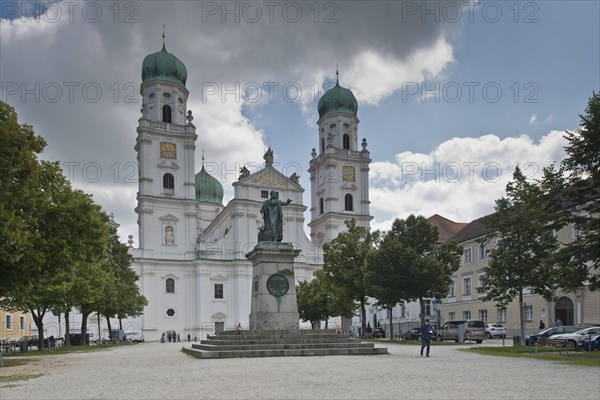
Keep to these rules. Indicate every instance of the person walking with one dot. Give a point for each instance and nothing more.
(425, 337)
(542, 325)
(558, 322)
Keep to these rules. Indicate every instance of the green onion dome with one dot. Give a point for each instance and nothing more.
(164, 66)
(337, 100)
(208, 189)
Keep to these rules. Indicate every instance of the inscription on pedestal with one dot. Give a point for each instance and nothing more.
(278, 285)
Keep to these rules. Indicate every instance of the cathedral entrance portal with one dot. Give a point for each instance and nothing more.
(565, 311)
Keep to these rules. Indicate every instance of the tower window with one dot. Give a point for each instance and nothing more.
(264, 194)
(346, 141)
(170, 286)
(168, 181)
(151, 96)
(322, 145)
(167, 114)
(348, 203)
(320, 206)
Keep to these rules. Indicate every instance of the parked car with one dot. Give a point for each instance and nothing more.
(415, 334)
(495, 330)
(542, 336)
(136, 337)
(585, 343)
(378, 333)
(574, 339)
(472, 329)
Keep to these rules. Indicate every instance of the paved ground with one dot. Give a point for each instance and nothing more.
(162, 371)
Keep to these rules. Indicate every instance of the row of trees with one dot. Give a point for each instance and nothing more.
(529, 255)
(407, 263)
(404, 264)
(57, 248)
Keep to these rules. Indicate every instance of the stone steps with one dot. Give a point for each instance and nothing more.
(286, 352)
(232, 344)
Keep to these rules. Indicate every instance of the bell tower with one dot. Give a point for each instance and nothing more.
(339, 170)
(165, 146)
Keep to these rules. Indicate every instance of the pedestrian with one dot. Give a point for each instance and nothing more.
(189, 338)
(542, 325)
(178, 338)
(169, 336)
(425, 337)
(558, 322)
(162, 338)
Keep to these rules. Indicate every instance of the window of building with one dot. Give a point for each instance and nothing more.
(9, 322)
(167, 114)
(346, 141)
(168, 181)
(483, 315)
(218, 290)
(576, 232)
(466, 314)
(467, 256)
(322, 145)
(264, 194)
(428, 307)
(502, 315)
(466, 286)
(483, 251)
(22, 322)
(452, 292)
(480, 281)
(170, 312)
(348, 206)
(320, 205)
(451, 316)
(528, 313)
(170, 285)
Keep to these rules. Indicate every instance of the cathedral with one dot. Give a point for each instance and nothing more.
(191, 256)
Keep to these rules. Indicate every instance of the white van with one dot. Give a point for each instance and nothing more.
(135, 337)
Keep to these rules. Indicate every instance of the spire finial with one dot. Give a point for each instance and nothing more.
(202, 158)
(164, 35)
(337, 73)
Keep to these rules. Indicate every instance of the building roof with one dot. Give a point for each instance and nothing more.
(472, 230)
(447, 229)
(164, 66)
(208, 188)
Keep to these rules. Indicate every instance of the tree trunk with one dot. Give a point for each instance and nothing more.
(390, 308)
(84, 316)
(363, 317)
(38, 318)
(67, 328)
(109, 328)
(521, 326)
(422, 308)
(120, 324)
(326, 322)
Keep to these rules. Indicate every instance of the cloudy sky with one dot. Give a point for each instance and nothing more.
(452, 95)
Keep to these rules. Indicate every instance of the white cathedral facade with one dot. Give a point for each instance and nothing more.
(191, 256)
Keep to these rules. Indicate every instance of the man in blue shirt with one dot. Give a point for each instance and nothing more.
(425, 337)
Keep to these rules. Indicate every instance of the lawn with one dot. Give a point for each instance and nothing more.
(582, 358)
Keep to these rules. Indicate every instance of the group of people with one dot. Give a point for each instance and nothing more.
(173, 337)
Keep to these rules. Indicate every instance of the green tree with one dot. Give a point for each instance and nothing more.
(524, 223)
(312, 302)
(583, 161)
(18, 195)
(344, 266)
(417, 265)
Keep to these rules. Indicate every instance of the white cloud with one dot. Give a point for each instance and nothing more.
(460, 179)
(533, 119)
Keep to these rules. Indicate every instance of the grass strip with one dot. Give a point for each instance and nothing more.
(580, 358)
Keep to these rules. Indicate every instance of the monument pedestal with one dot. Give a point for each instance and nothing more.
(273, 305)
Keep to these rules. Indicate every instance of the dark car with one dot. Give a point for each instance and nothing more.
(542, 336)
(378, 333)
(415, 334)
(585, 343)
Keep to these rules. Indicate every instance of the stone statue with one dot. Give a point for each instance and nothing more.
(295, 178)
(244, 173)
(272, 213)
(268, 157)
(169, 235)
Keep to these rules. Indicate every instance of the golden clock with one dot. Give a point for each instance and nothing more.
(348, 173)
(168, 150)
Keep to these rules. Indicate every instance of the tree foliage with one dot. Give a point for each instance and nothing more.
(312, 301)
(345, 263)
(582, 256)
(525, 223)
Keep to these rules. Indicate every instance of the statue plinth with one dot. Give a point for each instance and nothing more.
(273, 304)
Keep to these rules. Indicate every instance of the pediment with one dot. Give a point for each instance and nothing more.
(269, 176)
(169, 218)
(218, 277)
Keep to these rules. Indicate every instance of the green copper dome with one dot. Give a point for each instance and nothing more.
(164, 66)
(338, 100)
(208, 189)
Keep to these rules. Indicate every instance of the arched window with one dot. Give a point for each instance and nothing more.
(170, 285)
(322, 145)
(320, 206)
(167, 115)
(347, 141)
(168, 181)
(348, 202)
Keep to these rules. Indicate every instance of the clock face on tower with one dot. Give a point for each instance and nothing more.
(168, 150)
(348, 173)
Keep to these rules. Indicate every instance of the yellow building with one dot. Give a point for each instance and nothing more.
(15, 324)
